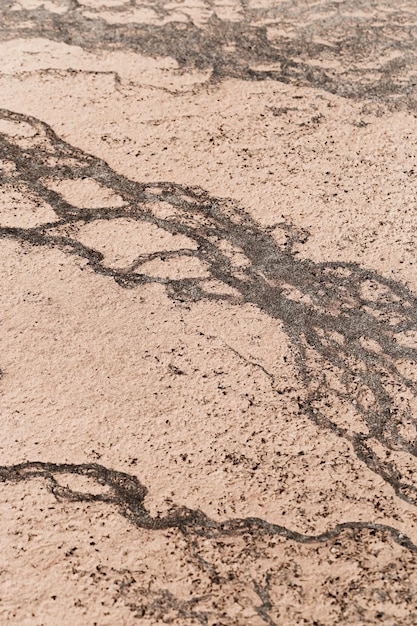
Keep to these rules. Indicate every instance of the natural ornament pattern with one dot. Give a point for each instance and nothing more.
(233, 558)
(353, 333)
(353, 48)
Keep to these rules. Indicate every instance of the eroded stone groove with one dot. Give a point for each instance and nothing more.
(350, 48)
(353, 331)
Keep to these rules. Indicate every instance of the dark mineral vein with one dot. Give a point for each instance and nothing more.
(350, 48)
(343, 320)
(128, 495)
(335, 315)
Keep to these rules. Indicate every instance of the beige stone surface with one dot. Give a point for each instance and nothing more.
(209, 313)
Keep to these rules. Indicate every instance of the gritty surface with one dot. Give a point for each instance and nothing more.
(209, 313)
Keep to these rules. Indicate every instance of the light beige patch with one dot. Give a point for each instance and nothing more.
(19, 210)
(85, 193)
(122, 241)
